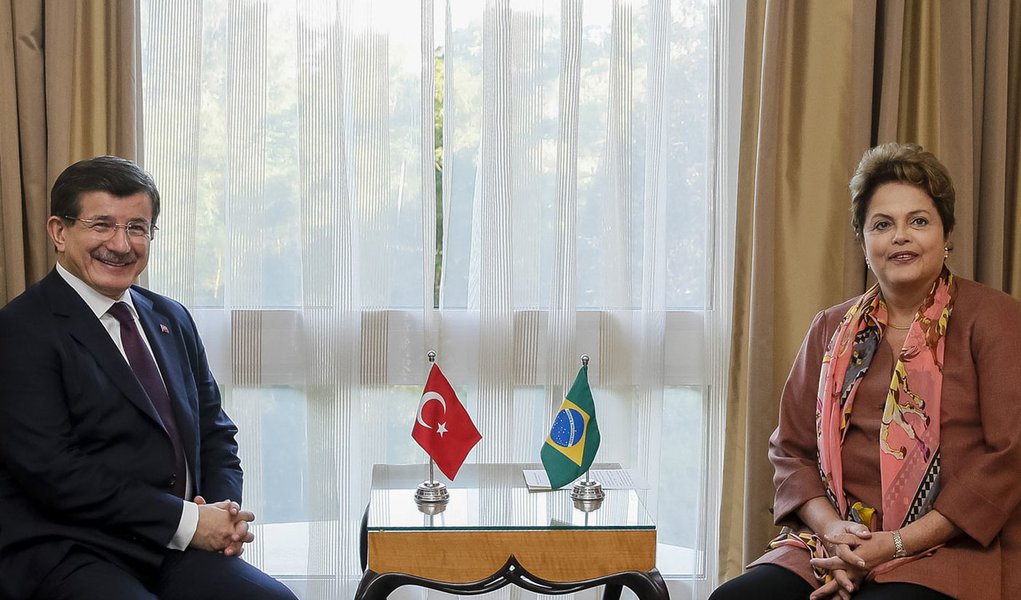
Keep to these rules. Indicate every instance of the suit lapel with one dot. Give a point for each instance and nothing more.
(169, 356)
(86, 329)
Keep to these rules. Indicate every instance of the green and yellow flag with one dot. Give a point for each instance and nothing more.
(574, 438)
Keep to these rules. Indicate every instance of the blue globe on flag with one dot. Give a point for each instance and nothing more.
(568, 428)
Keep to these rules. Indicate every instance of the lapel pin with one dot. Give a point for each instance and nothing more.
(164, 328)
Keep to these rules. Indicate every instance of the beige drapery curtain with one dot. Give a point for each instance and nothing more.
(824, 81)
(68, 78)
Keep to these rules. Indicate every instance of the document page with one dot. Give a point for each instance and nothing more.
(611, 479)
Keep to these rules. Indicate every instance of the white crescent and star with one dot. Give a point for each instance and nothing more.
(441, 428)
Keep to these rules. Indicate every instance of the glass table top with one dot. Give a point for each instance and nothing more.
(495, 497)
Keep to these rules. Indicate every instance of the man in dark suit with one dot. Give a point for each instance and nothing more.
(112, 436)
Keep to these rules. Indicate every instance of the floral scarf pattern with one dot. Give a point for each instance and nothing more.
(909, 432)
(909, 435)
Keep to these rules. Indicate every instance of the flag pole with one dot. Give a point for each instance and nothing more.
(589, 490)
(432, 496)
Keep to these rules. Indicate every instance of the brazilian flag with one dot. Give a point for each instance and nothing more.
(574, 437)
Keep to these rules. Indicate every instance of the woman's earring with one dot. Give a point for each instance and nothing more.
(946, 252)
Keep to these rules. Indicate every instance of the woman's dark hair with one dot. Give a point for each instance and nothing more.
(902, 163)
(112, 174)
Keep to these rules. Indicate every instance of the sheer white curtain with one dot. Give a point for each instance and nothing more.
(350, 183)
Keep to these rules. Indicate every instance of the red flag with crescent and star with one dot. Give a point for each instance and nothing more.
(442, 427)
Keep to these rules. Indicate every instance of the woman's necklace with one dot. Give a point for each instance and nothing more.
(898, 327)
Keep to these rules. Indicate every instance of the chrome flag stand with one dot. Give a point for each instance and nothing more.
(432, 496)
(432, 491)
(587, 490)
(587, 506)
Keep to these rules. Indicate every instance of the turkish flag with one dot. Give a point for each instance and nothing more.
(442, 427)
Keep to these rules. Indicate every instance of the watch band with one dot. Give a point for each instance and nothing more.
(898, 545)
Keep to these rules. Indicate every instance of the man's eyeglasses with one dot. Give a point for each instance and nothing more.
(105, 228)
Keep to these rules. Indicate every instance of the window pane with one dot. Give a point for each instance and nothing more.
(681, 473)
(250, 146)
(686, 149)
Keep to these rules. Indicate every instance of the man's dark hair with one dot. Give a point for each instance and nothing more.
(111, 174)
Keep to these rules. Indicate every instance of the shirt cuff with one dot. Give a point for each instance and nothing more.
(186, 528)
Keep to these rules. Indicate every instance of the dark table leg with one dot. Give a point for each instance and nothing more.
(364, 585)
(376, 586)
(647, 586)
(612, 591)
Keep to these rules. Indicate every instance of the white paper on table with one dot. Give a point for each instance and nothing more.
(611, 479)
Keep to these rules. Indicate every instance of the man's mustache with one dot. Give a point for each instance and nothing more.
(118, 258)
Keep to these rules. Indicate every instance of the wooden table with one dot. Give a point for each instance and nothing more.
(494, 532)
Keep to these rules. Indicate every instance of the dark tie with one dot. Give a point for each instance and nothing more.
(148, 375)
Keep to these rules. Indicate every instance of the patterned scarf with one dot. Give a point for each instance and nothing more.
(909, 433)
